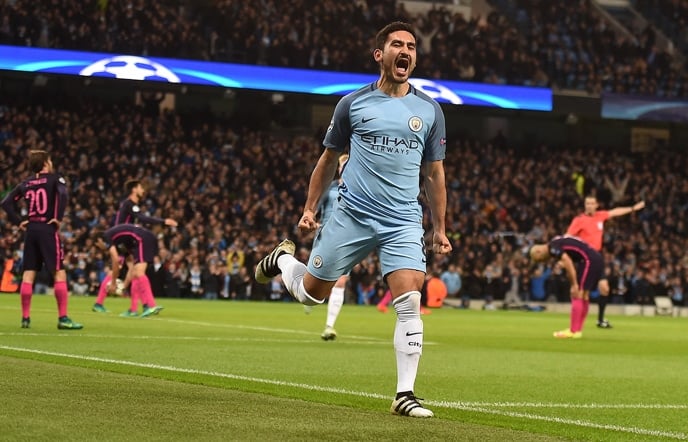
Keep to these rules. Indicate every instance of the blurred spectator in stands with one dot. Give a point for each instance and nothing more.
(434, 291)
(157, 274)
(277, 290)
(676, 290)
(557, 285)
(93, 283)
(42, 282)
(80, 286)
(212, 280)
(537, 282)
(451, 278)
(173, 281)
(241, 285)
(643, 291)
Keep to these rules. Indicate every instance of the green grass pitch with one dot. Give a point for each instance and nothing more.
(259, 371)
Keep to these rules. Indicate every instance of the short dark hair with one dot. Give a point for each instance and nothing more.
(129, 185)
(381, 37)
(37, 159)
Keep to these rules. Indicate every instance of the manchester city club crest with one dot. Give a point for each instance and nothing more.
(317, 261)
(415, 123)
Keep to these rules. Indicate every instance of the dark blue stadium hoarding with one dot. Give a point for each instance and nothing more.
(236, 76)
(650, 108)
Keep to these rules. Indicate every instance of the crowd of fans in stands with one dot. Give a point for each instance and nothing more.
(237, 192)
(670, 16)
(554, 43)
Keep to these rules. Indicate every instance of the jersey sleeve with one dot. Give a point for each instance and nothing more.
(62, 198)
(555, 251)
(339, 132)
(436, 142)
(145, 219)
(9, 203)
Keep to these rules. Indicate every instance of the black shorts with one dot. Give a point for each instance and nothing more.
(148, 247)
(42, 245)
(141, 243)
(589, 271)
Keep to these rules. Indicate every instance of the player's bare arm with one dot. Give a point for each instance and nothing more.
(570, 269)
(436, 192)
(114, 258)
(130, 274)
(322, 176)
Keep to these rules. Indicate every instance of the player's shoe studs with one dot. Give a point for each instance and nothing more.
(409, 405)
(330, 334)
(267, 267)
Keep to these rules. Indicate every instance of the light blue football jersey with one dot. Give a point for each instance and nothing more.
(389, 139)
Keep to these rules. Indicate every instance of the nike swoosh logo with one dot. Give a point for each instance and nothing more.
(413, 333)
(363, 120)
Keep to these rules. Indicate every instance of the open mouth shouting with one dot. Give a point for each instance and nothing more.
(402, 66)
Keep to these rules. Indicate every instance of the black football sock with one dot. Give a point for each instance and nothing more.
(601, 305)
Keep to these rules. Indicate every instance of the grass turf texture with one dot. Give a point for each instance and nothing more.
(259, 371)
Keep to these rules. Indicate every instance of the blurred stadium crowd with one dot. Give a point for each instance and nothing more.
(237, 191)
(555, 43)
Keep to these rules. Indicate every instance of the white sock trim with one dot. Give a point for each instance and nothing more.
(292, 275)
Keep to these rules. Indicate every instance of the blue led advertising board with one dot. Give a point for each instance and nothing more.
(237, 76)
(628, 107)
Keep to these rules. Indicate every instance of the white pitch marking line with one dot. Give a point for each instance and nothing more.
(572, 406)
(267, 329)
(279, 330)
(576, 422)
(248, 327)
(453, 405)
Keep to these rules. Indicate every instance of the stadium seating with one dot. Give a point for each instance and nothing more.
(563, 44)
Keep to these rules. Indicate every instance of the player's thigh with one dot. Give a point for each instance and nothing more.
(340, 244)
(402, 248)
(404, 281)
(31, 258)
(590, 272)
(51, 251)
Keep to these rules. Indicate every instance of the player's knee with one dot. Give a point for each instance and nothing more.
(407, 306)
(317, 288)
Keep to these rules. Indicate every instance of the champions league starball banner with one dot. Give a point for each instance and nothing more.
(648, 108)
(238, 76)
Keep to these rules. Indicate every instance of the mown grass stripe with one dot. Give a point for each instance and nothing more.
(453, 405)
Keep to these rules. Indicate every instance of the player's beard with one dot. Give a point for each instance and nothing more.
(395, 77)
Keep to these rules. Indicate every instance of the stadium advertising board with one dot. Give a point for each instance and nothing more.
(634, 107)
(236, 76)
